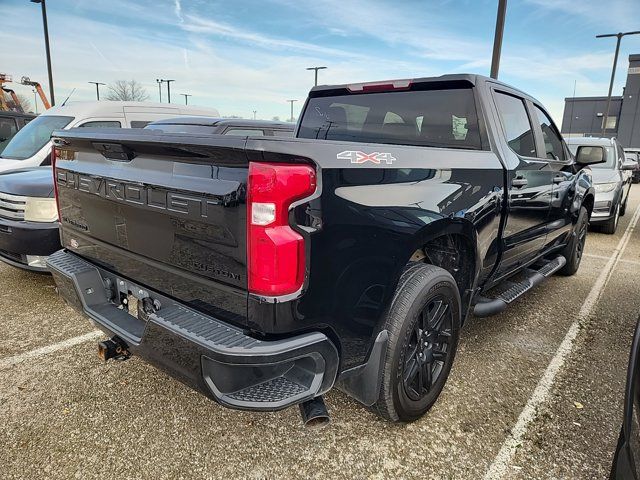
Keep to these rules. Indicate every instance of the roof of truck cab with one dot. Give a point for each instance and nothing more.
(107, 107)
(232, 122)
(471, 78)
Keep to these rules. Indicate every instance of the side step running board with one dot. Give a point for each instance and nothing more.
(492, 306)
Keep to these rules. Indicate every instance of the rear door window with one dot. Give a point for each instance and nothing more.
(515, 124)
(438, 118)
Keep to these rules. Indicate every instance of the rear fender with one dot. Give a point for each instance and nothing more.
(583, 188)
(448, 226)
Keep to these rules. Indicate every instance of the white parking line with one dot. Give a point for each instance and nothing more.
(593, 255)
(541, 393)
(39, 352)
(603, 257)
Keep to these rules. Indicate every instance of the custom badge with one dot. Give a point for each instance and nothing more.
(358, 157)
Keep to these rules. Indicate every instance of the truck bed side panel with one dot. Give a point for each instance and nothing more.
(369, 220)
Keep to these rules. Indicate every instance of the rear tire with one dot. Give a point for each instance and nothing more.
(575, 248)
(423, 322)
(610, 226)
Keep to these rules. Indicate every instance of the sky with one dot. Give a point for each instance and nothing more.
(251, 55)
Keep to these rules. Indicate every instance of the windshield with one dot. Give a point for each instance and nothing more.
(611, 157)
(33, 137)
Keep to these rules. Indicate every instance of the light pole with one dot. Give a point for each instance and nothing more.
(186, 97)
(46, 46)
(35, 100)
(97, 84)
(254, 114)
(168, 89)
(613, 71)
(291, 102)
(315, 69)
(159, 81)
(497, 38)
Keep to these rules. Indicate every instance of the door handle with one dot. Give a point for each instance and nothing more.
(558, 179)
(519, 182)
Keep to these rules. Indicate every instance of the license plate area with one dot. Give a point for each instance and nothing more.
(131, 304)
(131, 299)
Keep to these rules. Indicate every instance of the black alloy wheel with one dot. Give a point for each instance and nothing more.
(428, 348)
(582, 239)
(423, 324)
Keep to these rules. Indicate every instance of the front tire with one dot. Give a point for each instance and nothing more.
(575, 248)
(423, 322)
(610, 226)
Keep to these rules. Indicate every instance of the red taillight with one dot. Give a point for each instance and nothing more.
(55, 181)
(275, 252)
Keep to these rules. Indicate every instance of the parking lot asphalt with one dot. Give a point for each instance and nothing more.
(65, 414)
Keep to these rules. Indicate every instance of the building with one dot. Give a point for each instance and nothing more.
(583, 116)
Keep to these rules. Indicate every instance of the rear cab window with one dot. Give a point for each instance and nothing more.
(437, 117)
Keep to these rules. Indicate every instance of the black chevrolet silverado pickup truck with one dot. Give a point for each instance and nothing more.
(265, 271)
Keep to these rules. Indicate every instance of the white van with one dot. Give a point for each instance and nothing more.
(31, 146)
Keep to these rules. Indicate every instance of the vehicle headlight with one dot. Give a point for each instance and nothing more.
(40, 210)
(605, 187)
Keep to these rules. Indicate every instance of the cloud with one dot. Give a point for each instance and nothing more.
(254, 56)
(397, 25)
(227, 75)
(616, 14)
(177, 8)
(210, 27)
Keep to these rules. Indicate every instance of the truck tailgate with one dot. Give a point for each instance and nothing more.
(168, 211)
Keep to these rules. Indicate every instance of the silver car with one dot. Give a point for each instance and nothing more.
(611, 179)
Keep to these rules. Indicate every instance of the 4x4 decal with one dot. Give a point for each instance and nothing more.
(356, 156)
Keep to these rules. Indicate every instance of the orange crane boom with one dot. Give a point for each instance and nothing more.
(36, 85)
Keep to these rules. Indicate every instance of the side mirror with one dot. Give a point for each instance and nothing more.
(629, 164)
(591, 155)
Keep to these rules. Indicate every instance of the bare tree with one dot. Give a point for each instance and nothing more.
(25, 103)
(127, 90)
